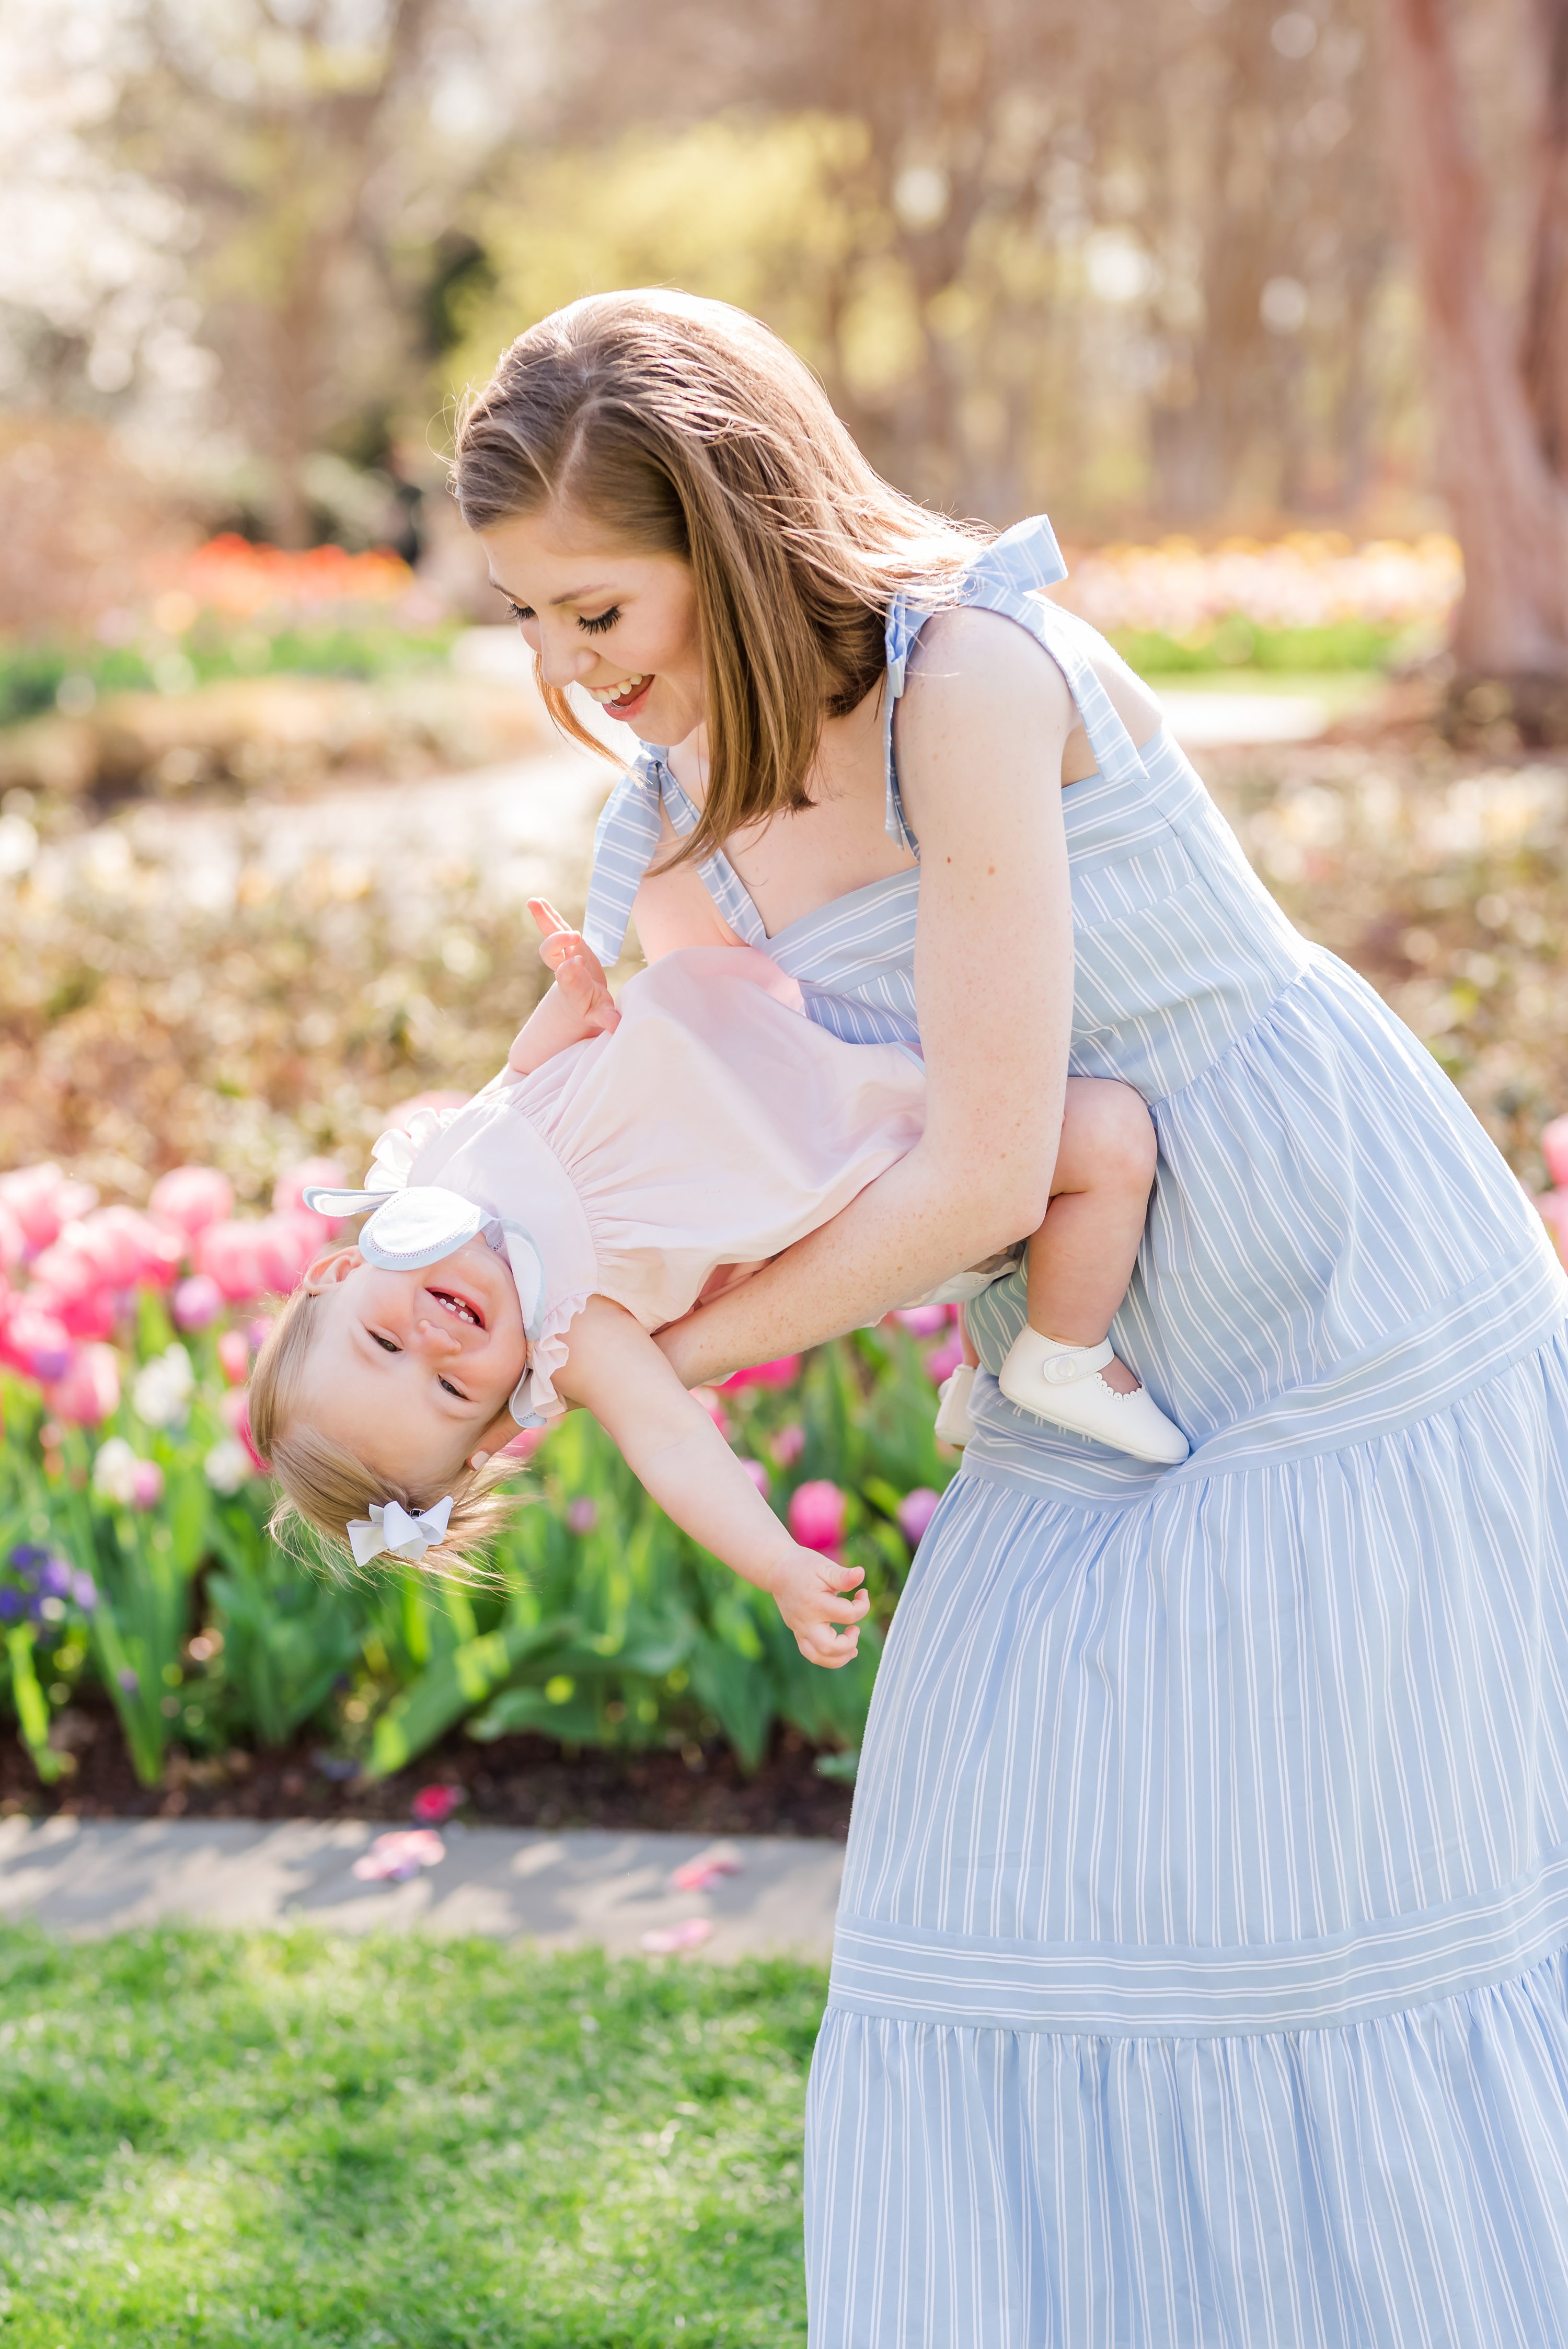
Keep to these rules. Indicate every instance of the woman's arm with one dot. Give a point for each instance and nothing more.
(981, 730)
(673, 1449)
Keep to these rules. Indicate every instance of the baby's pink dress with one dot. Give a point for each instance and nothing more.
(715, 1126)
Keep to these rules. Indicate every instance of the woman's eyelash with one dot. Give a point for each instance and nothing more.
(594, 627)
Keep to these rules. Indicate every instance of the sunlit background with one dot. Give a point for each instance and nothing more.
(1268, 306)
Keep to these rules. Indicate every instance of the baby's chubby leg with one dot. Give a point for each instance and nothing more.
(1081, 1258)
(1060, 1366)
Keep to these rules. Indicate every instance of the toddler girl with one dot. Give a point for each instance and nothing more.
(627, 1162)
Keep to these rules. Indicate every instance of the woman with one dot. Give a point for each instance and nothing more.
(1199, 1976)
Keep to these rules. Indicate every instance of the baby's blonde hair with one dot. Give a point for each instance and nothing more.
(323, 1485)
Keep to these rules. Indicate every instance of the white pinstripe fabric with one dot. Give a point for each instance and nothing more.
(1200, 1980)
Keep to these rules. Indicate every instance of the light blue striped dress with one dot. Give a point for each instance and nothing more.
(1200, 1980)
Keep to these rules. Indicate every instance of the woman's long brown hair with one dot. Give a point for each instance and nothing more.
(687, 426)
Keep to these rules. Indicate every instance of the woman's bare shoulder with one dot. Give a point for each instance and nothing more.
(968, 653)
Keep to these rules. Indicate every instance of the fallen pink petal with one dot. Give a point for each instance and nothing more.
(708, 1869)
(396, 1856)
(668, 1940)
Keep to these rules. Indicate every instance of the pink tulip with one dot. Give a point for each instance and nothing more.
(146, 1484)
(524, 1444)
(36, 1342)
(817, 1515)
(13, 1239)
(235, 1410)
(781, 1373)
(320, 1173)
(1553, 1207)
(43, 1201)
(432, 1806)
(229, 1253)
(285, 1245)
(136, 1250)
(197, 1303)
(191, 1198)
(915, 1512)
(788, 1442)
(1554, 1150)
(581, 1515)
(758, 1475)
(89, 1390)
(708, 1398)
(234, 1357)
(943, 1361)
(923, 1321)
(89, 1314)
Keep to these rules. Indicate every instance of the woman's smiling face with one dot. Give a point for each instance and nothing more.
(620, 624)
(411, 1371)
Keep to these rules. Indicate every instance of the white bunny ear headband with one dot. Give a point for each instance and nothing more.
(419, 1224)
(400, 1532)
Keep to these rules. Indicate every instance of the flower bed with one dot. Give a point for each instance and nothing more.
(1310, 600)
(236, 609)
(134, 1553)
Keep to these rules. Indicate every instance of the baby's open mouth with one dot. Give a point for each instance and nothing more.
(459, 1306)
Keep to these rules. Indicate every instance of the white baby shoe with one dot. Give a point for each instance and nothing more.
(1062, 1383)
(953, 1425)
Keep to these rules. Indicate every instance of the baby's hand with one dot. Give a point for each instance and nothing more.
(808, 1589)
(579, 973)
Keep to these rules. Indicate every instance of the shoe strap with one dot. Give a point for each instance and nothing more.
(1068, 1364)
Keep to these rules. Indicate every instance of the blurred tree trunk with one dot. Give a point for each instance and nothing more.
(1498, 413)
(1546, 316)
(1202, 430)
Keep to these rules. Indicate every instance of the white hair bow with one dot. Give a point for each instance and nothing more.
(390, 1528)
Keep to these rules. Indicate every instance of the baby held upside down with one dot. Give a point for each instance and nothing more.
(628, 1161)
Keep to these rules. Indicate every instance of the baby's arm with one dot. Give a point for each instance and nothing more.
(578, 1006)
(671, 1445)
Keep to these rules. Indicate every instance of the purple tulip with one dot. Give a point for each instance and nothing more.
(127, 1680)
(84, 1591)
(11, 1605)
(817, 1515)
(197, 1302)
(915, 1512)
(55, 1578)
(581, 1515)
(25, 1560)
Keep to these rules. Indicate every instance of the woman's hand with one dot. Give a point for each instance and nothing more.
(809, 1591)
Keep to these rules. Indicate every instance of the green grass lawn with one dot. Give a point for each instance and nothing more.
(290, 2138)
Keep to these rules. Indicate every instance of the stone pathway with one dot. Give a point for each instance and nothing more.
(89, 1877)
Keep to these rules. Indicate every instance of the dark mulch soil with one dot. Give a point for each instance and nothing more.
(516, 1782)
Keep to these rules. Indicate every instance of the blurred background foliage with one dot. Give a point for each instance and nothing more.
(1134, 262)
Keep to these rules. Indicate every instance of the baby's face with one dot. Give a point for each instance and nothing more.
(411, 1371)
